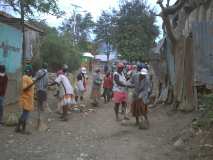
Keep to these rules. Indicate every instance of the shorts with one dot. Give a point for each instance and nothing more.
(68, 100)
(119, 97)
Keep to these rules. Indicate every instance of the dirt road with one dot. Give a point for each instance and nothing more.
(96, 135)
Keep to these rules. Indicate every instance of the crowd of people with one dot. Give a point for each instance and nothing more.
(121, 83)
(114, 86)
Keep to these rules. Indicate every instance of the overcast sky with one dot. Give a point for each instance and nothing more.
(95, 7)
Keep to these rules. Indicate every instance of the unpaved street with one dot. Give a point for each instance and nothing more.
(96, 135)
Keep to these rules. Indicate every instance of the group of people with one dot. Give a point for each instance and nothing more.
(117, 86)
(136, 80)
(38, 85)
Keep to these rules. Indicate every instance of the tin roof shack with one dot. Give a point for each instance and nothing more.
(101, 60)
(11, 51)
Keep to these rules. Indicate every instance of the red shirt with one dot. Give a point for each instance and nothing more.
(3, 85)
(108, 82)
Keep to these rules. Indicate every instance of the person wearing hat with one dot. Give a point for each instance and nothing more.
(120, 94)
(26, 100)
(68, 94)
(3, 88)
(96, 87)
(140, 98)
(41, 86)
(65, 70)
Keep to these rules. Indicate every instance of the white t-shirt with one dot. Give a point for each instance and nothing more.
(122, 79)
(80, 85)
(64, 81)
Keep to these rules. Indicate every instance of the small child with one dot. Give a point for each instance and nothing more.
(107, 86)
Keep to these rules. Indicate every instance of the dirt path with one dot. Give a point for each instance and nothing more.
(97, 136)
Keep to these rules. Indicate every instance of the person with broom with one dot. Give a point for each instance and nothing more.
(26, 99)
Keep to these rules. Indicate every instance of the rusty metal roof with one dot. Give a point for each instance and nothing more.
(10, 20)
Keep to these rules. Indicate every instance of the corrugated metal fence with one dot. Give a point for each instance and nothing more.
(203, 53)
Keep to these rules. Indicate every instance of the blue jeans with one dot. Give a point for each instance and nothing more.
(1, 108)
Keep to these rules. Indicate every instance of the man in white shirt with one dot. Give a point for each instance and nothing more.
(68, 97)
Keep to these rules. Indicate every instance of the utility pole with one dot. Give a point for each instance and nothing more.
(107, 29)
(108, 47)
(22, 5)
(75, 13)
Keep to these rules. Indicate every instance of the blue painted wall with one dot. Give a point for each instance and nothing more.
(10, 47)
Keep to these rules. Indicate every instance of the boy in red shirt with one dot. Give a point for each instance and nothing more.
(107, 85)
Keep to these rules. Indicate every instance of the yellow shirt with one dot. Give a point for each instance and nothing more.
(27, 97)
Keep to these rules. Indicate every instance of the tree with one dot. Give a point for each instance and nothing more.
(181, 47)
(55, 45)
(79, 27)
(30, 7)
(135, 30)
(104, 30)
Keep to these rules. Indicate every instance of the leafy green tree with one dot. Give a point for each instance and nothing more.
(135, 30)
(57, 49)
(80, 29)
(103, 29)
(31, 7)
(131, 29)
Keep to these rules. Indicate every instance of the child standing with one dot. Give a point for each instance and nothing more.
(107, 86)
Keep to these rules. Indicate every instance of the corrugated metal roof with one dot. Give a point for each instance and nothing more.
(103, 57)
(6, 18)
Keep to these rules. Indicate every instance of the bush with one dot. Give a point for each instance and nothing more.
(57, 50)
(206, 109)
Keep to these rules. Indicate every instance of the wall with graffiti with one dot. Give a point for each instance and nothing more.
(10, 47)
